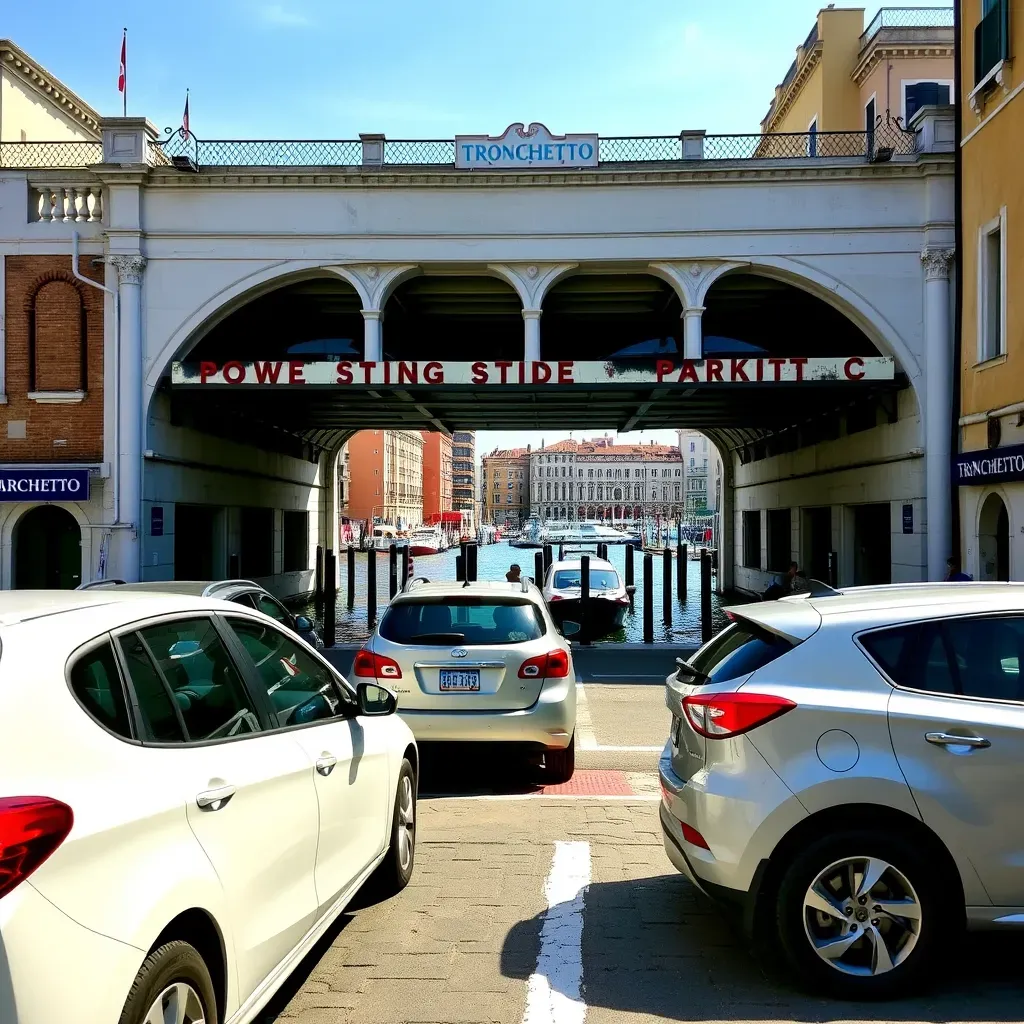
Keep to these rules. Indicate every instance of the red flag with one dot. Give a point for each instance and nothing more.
(184, 117)
(122, 75)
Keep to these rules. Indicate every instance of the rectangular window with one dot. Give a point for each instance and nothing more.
(992, 289)
(295, 540)
(752, 539)
(779, 539)
(991, 38)
(923, 94)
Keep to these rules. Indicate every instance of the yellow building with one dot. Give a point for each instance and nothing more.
(847, 78)
(505, 486)
(990, 468)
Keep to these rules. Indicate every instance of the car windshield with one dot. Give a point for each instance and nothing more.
(475, 621)
(600, 579)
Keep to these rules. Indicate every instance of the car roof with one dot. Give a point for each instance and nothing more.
(799, 616)
(17, 606)
(575, 563)
(452, 588)
(193, 588)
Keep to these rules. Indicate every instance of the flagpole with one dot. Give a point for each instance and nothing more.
(124, 95)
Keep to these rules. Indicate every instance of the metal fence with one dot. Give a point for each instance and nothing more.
(49, 154)
(264, 152)
(907, 17)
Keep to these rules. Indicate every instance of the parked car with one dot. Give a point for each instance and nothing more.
(243, 592)
(608, 599)
(478, 662)
(847, 769)
(191, 795)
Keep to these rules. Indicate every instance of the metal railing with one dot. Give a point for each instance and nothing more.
(14, 155)
(264, 152)
(907, 17)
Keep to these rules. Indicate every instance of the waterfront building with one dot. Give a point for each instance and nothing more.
(437, 474)
(464, 496)
(386, 468)
(505, 486)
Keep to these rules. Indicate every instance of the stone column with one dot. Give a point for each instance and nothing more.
(693, 344)
(127, 563)
(373, 348)
(938, 380)
(531, 339)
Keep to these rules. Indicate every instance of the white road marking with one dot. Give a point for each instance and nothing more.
(584, 724)
(554, 992)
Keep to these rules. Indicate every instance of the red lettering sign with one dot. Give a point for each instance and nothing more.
(344, 373)
(267, 371)
(433, 373)
(479, 371)
(854, 368)
(206, 370)
(736, 371)
(234, 373)
(295, 373)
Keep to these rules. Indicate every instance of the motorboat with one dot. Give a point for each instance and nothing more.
(427, 540)
(605, 609)
(587, 533)
(385, 537)
(530, 536)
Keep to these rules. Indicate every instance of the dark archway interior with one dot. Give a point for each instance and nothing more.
(454, 318)
(47, 550)
(601, 316)
(314, 319)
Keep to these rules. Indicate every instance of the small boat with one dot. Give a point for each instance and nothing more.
(486, 534)
(604, 611)
(385, 537)
(529, 536)
(427, 540)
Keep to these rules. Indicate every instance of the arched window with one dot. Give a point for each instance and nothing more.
(600, 493)
(57, 338)
(590, 494)
(636, 492)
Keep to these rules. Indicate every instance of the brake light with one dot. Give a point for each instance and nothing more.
(721, 715)
(556, 597)
(368, 665)
(553, 665)
(31, 828)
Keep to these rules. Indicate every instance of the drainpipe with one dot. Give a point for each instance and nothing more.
(958, 283)
(115, 462)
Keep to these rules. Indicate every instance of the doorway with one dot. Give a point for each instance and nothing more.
(872, 545)
(47, 550)
(817, 543)
(994, 540)
(195, 532)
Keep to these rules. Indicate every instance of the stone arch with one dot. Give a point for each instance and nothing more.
(994, 531)
(8, 533)
(58, 334)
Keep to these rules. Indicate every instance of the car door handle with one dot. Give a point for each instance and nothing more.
(215, 799)
(948, 739)
(325, 765)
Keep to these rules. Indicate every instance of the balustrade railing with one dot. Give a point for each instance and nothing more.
(14, 155)
(66, 204)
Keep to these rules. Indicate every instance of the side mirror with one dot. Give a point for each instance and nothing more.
(375, 700)
(570, 628)
(303, 624)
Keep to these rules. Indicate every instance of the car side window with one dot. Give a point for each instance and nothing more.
(245, 600)
(914, 656)
(299, 687)
(195, 670)
(96, 682)
(988, 654)
(157, 706)
(270, 607)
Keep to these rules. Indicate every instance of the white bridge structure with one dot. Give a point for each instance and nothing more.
(637, 282)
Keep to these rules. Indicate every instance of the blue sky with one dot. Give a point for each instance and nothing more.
(330, 69)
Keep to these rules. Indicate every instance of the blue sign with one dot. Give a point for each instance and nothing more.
(908, 518)
(43, 484)
(989, 466)
(156, 521)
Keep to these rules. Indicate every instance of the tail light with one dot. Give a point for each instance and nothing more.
(375, 666)
(556, 597)
(31, 828)
(693, 837)
(553, 665)
(721, 715)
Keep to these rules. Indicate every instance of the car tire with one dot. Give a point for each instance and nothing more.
(882, 939)
(172, 972)
(395, 870)
(559, 765)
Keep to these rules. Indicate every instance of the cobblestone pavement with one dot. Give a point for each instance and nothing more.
(461, 943)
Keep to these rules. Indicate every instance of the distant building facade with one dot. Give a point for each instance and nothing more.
(464, 497)
(599, 479)
(386, 471)
(505, 486)
(437, 473)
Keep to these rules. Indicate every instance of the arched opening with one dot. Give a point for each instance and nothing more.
(605, 316)
(47, 550)
(994, 540)
(457, 318)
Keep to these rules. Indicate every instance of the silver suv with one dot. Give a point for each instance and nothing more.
(478, 662)
(847, 768)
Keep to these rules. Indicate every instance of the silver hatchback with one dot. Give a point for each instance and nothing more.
(478, 662)
(848, 768)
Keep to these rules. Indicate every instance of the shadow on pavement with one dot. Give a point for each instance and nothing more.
(656, 947)
(466, 769)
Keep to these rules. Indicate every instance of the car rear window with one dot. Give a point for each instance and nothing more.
(738, 650)
(600, 579)
(462, 620)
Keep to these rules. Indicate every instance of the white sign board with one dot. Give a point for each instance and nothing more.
(519, 146)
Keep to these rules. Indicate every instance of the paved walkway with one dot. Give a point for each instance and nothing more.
(534, 908)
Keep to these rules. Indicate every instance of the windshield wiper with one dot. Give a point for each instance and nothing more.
(685, 669)
(437, 638)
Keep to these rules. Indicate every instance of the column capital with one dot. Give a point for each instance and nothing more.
(129, 267)
(532, 314)
(693, 311)
(371, 314)
(937, 263)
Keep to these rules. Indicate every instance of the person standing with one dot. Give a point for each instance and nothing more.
(954, 574)
(513, 574)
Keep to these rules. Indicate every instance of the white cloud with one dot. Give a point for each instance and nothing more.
(280, 15)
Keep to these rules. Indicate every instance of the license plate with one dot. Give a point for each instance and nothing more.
(461, 680)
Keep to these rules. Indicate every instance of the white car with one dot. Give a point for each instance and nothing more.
(608, 599)
(191, 795)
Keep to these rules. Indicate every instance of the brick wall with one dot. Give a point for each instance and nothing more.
(41, 293)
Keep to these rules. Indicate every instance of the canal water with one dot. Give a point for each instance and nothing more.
(493, 562)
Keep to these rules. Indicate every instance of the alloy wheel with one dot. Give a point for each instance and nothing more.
(862, 916)
(406, 822)
(179, 1003)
